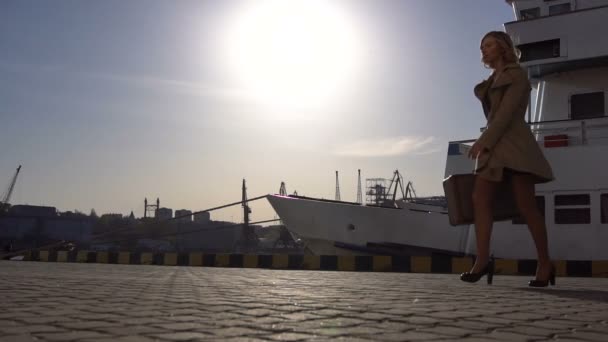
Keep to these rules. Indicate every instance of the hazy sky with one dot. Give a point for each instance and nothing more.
(107, 102)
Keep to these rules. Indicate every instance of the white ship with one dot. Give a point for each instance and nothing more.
(565, 51)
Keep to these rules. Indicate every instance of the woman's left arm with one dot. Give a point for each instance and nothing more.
(516, 92)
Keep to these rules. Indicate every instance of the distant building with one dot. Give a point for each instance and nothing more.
(202, 217)
(132, 218)
(108, 218)
(33, 210)
(187, 215)
(164, 214)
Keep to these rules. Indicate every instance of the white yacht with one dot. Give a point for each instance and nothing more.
(565, 50)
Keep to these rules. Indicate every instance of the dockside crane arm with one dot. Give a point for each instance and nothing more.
(7, 196)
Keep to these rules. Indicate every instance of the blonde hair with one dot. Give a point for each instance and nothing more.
(511, 53)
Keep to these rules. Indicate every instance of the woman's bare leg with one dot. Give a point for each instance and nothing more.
(523, 191)
(483, 197)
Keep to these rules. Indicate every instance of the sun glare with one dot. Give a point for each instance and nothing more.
(297, 52)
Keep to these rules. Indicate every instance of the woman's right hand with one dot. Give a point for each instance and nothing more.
(476, 150)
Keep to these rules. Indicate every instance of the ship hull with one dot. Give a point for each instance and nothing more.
(345, 228)
(326, 227)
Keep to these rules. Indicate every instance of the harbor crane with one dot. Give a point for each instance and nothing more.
(5, 204)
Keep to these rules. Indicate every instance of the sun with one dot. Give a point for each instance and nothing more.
(297, 52)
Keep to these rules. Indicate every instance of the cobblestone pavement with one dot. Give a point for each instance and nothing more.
(102, 302)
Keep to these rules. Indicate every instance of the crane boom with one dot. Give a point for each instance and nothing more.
(7, 197)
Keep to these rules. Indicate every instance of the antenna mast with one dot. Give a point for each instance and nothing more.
(359, 194)
(337, 187)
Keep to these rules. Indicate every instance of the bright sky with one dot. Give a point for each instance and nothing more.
(105, 103)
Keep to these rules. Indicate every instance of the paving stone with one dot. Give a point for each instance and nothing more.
(47, 320)
(181, 326)
(473, 326)
(143, 320)
(243, 339)
(364, 330)
(183, 336)
(341, 322)
(289, 337)
(258, 312)
(522, 316)
(9, 324)
(554, 324)
(298, 316)
(133, 338)
(72, 335)
(496, 320)
(222, 333)
(423, 320)
(87, 325)
(447, 330)
(30, 329)
(534, 331)
(406, 336)
(452, 314)
(504, 336)
(131, 330)
(467, 339)
(390, 326)
(19, 338)
(586, 336)
(148, 303)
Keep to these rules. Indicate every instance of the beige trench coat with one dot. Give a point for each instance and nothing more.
(507, 136)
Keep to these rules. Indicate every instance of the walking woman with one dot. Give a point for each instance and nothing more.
(507, 152)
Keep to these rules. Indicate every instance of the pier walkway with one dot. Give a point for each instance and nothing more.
(112, 302)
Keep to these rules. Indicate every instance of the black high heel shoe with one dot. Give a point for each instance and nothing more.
(544, 283)
(474, 277)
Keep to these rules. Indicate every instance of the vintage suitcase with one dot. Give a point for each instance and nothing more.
(459, 195)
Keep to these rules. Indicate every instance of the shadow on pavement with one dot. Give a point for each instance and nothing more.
(583, 294)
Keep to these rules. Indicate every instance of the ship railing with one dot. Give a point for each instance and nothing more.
(574, 132)
(578, 132)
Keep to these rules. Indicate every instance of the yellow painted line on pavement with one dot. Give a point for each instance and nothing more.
(311, 262)
(170, 259)
(420, 264)
(62, 256)
(599, 269)
(196, 259)
(461, 265)
(146, 259)
(280, 261)
(346, 263)
(250, 261)
(124, 258)
(222, 260)
(561, 269)
(82, 256)
(44, 255)
(506, 267)
(382, 263)
(102, 257)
